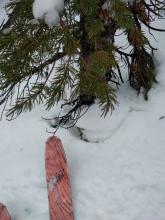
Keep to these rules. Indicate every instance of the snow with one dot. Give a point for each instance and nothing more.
(120, 178)
(48, 10)
(2, 10)
(52, 184)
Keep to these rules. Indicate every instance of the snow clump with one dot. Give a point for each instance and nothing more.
(48, 10)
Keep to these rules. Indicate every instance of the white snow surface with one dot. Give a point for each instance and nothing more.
(122, 178)
(48, 10)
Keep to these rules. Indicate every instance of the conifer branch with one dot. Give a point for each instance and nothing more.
(84, 44)
(53, 59)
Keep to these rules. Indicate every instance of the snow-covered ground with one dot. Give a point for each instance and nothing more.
(122, 178)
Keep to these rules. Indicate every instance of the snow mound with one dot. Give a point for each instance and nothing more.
(94, 128)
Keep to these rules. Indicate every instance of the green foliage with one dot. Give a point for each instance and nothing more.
(121, 14)
(89, 7)
(94, 27)
(76, 61)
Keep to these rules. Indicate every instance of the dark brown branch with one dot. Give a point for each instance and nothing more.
(56, 57)
(153, 28)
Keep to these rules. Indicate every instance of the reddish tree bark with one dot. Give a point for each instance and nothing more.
(58, 183)
(4, 215)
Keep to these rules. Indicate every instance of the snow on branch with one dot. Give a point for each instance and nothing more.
(48, 10)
